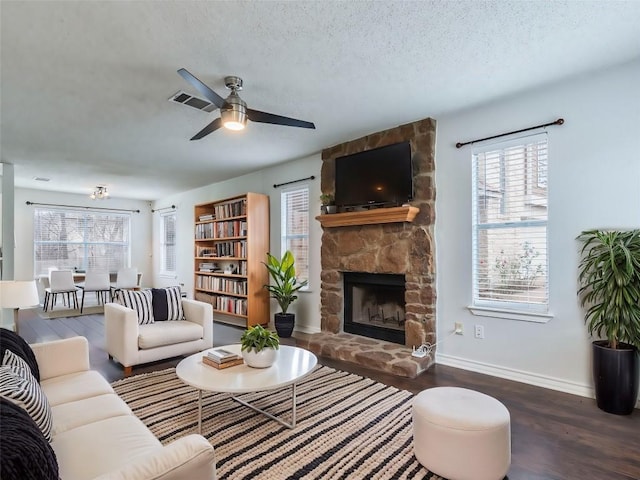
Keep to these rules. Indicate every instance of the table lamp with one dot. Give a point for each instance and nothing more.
(18, 294)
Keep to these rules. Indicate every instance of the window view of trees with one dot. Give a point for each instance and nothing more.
(80, 240)
(510, 225)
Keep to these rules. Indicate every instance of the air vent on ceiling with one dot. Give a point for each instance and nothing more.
(195, 102)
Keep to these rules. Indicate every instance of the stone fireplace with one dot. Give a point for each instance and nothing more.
(398, 248)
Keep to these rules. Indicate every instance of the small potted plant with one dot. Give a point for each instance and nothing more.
(609, 277)
(328, 203)
(284, 290)
(259, 347)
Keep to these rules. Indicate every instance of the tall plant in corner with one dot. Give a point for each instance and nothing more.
(609, 278)
(284, 289)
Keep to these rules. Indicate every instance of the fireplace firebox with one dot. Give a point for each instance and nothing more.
(374, 305)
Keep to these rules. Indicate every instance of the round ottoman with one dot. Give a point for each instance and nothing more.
(461, 434)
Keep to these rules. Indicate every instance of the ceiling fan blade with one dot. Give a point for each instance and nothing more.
(212, 127)
(264, 117)
(212, 96)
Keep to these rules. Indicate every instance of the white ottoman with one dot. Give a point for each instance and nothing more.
(461, 434)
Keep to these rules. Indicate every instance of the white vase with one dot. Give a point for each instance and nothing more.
(262, 359)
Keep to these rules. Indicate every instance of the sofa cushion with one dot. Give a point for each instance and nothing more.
(167, 303)
(91, 450)
(138, 300)
(168, 333)
(10, 340)
(75, 386)
(25, 453)
(19, 386)
(88, 410)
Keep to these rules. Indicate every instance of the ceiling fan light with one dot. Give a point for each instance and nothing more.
(233, 118)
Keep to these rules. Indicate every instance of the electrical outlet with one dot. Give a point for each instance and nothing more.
(458, 328)
(479, 331)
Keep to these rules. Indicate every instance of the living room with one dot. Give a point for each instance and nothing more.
(593, 178)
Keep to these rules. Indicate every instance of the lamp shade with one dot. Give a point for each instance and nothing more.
(17, 294)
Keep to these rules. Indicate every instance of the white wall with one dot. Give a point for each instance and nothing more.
(140, 227)
(307, 307)
(594, 182)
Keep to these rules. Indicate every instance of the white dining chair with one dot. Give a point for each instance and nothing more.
(126, 279)
(98, 282)
(60, 282)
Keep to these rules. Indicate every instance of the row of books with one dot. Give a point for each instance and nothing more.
(221, 230)
(230, 304)
(218, 284)
(226, 268)
(231, 209)
(221, 358)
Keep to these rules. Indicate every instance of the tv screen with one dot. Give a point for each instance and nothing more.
(378, 177)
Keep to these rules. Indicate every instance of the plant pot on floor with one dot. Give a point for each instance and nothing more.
(615, 377)
(284, 324)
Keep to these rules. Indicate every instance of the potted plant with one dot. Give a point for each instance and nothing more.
(609, 278)
(284, 290)
(259, 347)
(328, 203)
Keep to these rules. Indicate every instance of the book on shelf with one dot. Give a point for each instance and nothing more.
(207, 361)
(205, 217)
(221, 355)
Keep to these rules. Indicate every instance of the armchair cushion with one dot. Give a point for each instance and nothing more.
(138, 300)
(167, 303)
(170, 334)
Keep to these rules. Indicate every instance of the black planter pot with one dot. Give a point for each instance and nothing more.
(284, 324)
(615, 377)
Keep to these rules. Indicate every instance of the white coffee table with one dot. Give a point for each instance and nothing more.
(292, 365)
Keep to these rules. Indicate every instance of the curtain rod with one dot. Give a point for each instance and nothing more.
(82, 206)
(276, 185)
(172, 207)
(559, 121)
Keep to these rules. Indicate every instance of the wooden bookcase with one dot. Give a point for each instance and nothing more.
(231, 242)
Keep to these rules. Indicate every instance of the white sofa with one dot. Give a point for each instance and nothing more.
(95, 434)
(132, 344)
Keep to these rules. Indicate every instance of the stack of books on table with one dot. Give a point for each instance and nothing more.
(220, 358)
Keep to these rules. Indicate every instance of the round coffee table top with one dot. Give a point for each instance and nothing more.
(291, 365)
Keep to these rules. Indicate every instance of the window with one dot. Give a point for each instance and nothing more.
(510, 203)
(168, 244)
(295, 228)
(84, 240)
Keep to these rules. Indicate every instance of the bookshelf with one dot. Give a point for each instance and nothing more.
(231, 242)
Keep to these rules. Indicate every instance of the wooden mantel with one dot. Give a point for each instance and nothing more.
(369, 217)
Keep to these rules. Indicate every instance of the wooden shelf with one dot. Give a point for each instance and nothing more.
(369, 217)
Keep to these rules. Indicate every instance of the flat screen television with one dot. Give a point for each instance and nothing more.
(378, 177)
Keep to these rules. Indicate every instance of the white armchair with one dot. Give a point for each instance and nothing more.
(132, 344)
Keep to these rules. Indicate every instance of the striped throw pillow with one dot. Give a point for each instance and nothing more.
(167, 303)
(19, 386)
(138, 300)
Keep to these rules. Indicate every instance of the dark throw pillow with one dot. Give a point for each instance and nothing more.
(167, 303)
(10, 340)
(25, 453)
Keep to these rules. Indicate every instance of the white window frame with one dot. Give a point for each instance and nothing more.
(285, 238)
(84, 243)
(164, 254)
(533, 312)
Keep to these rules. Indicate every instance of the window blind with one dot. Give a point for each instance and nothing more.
(510, 206)
(82, 240)
(168, 246)
(295, 228)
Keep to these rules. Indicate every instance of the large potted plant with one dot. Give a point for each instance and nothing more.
(259, 347)
(284, 288)
(609, 278)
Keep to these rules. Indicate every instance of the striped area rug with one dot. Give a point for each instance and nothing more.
(348, 427)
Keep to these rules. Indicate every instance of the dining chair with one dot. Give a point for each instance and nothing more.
(60, 282)
(98, 282)
(126, 279)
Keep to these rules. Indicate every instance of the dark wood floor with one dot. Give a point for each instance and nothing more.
(554, 435)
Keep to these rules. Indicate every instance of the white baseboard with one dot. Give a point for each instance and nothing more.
(521, 376)
(306, 329)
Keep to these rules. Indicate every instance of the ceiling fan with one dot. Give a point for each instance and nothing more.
(233, 110)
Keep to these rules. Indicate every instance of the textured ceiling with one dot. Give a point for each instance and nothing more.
(84, 85)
